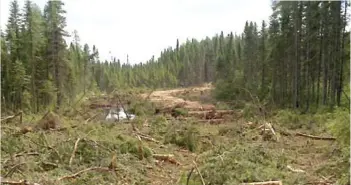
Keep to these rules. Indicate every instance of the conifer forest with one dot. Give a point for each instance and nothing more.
(270, 105)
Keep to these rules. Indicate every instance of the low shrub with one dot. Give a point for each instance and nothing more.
(184, 135)
(246, 163)
(132, 146)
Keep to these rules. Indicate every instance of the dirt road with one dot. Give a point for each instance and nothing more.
(169, 98)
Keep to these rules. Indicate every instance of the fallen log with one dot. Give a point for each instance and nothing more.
(315, 137)
(264, 183)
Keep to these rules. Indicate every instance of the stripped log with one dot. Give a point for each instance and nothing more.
(316, 137)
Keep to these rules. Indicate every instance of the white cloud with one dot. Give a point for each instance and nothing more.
(144, 28)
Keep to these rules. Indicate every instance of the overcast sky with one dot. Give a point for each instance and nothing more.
(142, 28)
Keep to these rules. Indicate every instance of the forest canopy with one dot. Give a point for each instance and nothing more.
(299, 59)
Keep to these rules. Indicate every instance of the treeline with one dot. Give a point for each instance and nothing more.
(299, 59)
(40, 70)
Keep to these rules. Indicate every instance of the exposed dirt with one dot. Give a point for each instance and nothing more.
(169, 98)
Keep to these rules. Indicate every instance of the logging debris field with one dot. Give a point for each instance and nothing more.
(179, 136)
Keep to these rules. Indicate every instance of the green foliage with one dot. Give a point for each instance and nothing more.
(132, 146)
(246, 163)
(180, 112)
(250, 111)
(336, 122)
(26, 104)
(141, 107)
(339, 125)
(252, 60)
(183, 135)
(158, 125)
(289, 119)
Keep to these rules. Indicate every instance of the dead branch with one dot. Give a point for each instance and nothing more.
(50, 164)
(46, 146)
(113, 164)
(96, 105)
(146, 137)
(83, 171)
(8, 118)
(12, 170)
(21, 154)
(22, 182)
(270, 127)
(128, 118)
(74, 152)
(78, 101)
(198, 171)
(145, 124)
(8, 127)
(189, 175)
(83, 114)
(148, 96)
(264, 183)
(316, 137)
(166, 157)
(97, 144)
(295, 170)
(63, 128)
(94, 116)
(140, 148)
